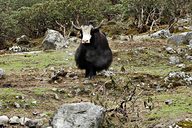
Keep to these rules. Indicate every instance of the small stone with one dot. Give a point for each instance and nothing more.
(1, 105)
(2, 73)
(14, 120)
(189, 58)
(43, 115)
(72, 75)
(52, 68)
(36, 113)
(17, 105)
(23, 120)
(168, 102)
(19, 97)
(61, 90)
(107, 73)
(4, 120)
(71, 54)
(37, 123)
(159, 89)
(31, 124)
(34, 102)
(180, 65)
(55, 89)
(174, 60)
(56, 96)
(170, 50)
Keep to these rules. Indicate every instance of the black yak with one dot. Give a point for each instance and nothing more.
(93, 53)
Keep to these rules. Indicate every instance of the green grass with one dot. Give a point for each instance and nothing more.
(40, 61)
(147, 61)
(41, 91)
(9, 92)
(182, 104)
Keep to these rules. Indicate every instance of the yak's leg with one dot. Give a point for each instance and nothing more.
(87, 72)
(90, 72)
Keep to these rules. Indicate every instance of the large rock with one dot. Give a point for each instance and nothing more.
(79, 115)
(3, 120)
(54, 40)
(182, 38)
(176, 39)
(161, 34)
(23, 40)
(14, 120)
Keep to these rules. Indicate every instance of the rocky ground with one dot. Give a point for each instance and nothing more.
(148, 85)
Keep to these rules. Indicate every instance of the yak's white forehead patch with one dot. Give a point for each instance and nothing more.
(86, 31)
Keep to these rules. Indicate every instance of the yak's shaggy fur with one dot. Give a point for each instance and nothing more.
(94, 56)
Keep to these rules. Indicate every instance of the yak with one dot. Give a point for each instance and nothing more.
(93, 53)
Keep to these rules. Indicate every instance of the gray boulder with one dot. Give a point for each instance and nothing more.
(182, 38)
(54, 40)
(14, 120)
(4, 120)
(162, 34)
(22, 40)
(176, 39)
(79, 115)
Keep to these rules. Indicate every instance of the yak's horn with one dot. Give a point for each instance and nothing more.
(76, 27)
(99, 25)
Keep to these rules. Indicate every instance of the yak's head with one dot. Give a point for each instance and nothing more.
(87, 31)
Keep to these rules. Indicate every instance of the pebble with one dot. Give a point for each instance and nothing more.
(168, 102)
(180, 65)
(54, 89)
(56, 96)
(17, 105)
(1, 105)
(36, 123)
(23, 120)
(34, 102)
(2, 73)
(19, 97)
(174, 60)
(189, 58)
(170, 50)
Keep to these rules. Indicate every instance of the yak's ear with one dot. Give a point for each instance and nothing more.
(94, 30)
(91, 23)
